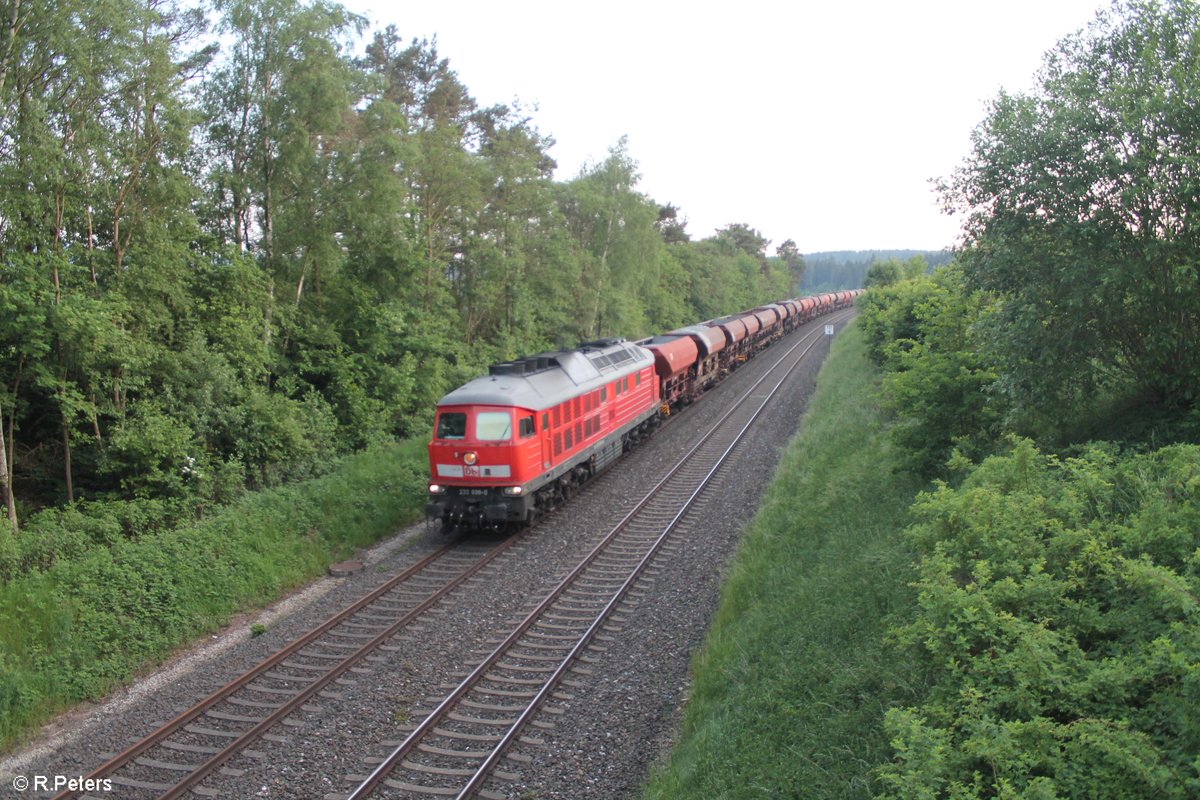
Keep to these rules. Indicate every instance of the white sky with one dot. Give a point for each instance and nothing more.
(822, 122)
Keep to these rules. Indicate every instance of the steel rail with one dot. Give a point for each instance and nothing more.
(205, 768)
(268, 722)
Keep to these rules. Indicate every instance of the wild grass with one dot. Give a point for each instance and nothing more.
(792, 683)
(88, 623)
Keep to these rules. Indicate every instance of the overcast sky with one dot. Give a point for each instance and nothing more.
(823, 125)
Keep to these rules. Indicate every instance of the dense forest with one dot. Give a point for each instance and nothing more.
(237, 247)
(836, 269)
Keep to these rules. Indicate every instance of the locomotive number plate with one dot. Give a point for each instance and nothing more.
(474, 492)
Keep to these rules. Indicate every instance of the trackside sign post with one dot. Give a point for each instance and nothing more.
(829, 330)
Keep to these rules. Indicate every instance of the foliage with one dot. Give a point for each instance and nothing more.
(1082, 206)
(883, 273)
(924, 333)
(1059, 619)
(889, 314)
(892, 270)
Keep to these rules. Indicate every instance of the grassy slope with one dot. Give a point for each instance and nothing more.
(791, 685)
(84, 626)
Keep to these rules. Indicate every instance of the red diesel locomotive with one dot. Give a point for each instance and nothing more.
(518, 441)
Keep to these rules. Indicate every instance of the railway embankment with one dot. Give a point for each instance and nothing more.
(105, 610)
(790, 687)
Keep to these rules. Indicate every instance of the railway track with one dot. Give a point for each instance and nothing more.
(467, 743)
(174, 760)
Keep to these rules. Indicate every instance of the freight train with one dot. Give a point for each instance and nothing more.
(519, 441)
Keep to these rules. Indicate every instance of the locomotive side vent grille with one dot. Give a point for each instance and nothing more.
(620, 356)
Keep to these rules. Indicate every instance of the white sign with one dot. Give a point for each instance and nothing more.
(829, 330)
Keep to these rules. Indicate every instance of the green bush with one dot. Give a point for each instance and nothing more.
(153, 454)
(285, 439)
(936, 383)
(68, 532)
(1060, 622)
(891, 313)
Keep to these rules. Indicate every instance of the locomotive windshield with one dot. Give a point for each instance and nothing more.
(452, 425)
(493, 426)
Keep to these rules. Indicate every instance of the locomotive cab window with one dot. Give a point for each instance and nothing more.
(493, 426)
(452, 425)
(526, 427)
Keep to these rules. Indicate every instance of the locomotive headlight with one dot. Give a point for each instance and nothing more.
(436, 489)
(470, 458)
(513, 491)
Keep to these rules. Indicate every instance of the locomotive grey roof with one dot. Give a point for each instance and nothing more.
(547, 379)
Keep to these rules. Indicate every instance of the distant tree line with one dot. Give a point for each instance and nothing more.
(840, 269)
(237, 247)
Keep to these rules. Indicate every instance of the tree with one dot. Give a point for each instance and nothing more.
(789, 254)
(95, 130)
(503, 232)
(1084, 217)
(915, 267)
(612, 228)
(23, 341)
(5, 484)
(935, 382)
(439, 121)
(741, 238)
(275, 111)
(883, 273)
(671, 226)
